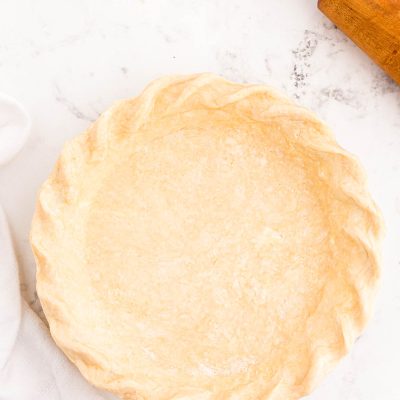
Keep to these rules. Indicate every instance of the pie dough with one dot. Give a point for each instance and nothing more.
(206, 240)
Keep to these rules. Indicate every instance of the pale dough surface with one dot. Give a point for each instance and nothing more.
(206, 240)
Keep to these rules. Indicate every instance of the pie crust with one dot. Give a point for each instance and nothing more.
(206, 240)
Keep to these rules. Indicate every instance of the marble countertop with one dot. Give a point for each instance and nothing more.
(67, 61)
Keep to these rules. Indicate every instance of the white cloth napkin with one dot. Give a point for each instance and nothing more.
(31, 365)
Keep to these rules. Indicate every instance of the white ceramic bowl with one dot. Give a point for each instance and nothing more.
(15, 125)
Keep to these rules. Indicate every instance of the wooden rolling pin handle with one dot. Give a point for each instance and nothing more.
(373, 25)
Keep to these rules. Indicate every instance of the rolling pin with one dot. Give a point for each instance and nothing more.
(373, 25)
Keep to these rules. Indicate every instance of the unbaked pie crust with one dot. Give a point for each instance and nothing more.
(206, 240)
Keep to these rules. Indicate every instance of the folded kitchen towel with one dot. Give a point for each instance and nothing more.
(31, 365)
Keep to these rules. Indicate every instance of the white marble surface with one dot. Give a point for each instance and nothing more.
(67, 61)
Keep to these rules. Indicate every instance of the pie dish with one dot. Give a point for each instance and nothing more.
(206, 240)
